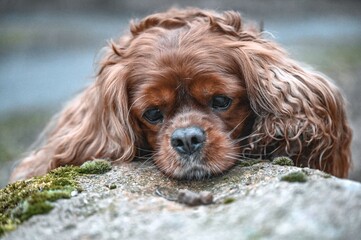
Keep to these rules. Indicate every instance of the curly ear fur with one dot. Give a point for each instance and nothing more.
(95, 124)
(298, 112)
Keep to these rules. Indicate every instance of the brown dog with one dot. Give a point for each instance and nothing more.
(199, 90)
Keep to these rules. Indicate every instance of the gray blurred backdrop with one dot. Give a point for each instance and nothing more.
(48, 52)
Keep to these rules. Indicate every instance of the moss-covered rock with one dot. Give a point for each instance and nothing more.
(229, 200)
(283, 161)
(298, 176)
(97, 166)
(250, 162)
(248, 202)
(21, 200)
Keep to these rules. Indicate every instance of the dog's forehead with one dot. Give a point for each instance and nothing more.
(170, 88)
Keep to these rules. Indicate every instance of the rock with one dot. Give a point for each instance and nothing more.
(248, 203)
(74, 193)
(194, 199)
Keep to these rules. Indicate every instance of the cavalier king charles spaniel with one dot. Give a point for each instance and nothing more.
(197, 91)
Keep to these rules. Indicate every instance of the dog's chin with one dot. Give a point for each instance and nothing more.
(190, 170)
(195, 167)
(196, 172)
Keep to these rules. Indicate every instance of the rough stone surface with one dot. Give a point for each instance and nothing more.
(248, 203)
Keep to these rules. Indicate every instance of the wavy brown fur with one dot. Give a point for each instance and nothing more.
(296, 112)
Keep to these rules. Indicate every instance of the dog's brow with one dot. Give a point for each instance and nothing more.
(213, 85)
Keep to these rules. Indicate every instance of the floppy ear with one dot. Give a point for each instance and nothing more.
(299, 112)
(96, 124)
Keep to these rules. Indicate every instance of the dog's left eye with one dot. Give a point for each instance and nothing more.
(221, 103)
(153, 115)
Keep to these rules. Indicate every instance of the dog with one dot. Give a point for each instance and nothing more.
(197, 91)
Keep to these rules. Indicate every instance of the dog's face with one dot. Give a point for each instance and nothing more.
(190, 103)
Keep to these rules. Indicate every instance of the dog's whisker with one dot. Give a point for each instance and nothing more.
(235, 128)
(145, 149)
(255, 134)
(248, 144)
(145, 164)
(145, 157)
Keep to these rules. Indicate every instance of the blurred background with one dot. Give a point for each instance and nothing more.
(48, 52)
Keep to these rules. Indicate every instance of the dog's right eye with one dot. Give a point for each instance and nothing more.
(221, 103)
(153, 115)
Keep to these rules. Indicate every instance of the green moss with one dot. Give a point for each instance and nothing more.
(6, 224)
(97, 166)
(112, 186)
(327, 175)
(282, 161)
(229, 200)
(295, 177)
(21, 200)
(27, 209)
(249, 162)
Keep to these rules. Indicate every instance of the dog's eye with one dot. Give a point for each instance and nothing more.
(221, 103)
(153, 115)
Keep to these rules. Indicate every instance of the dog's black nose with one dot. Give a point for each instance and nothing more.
(188, 140)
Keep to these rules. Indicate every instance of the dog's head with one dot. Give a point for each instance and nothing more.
(203, 89)
(199, 90)
(187, 92)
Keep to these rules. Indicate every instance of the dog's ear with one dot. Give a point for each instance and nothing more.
(299, 112)
(95, 124)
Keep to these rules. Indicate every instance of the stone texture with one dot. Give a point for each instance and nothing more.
(248, 203)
